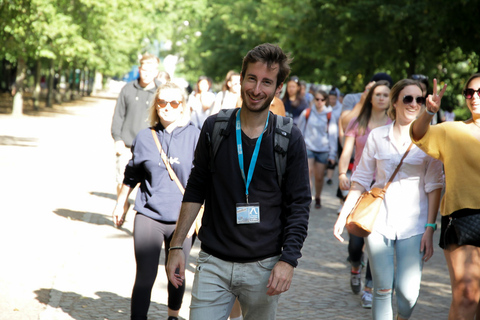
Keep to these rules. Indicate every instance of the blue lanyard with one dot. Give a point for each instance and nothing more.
(253, 162)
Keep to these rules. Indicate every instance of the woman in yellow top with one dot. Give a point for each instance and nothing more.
(457, 145)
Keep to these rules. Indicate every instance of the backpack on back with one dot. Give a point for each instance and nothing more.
(283, 130)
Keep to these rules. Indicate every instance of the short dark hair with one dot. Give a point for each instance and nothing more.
(269, 54)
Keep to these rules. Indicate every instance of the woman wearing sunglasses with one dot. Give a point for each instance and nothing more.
(457, 145)
(372, 115)
(402, 237)
(320, 131)
(159, 198)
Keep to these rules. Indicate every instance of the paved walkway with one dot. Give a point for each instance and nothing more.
(62, 259)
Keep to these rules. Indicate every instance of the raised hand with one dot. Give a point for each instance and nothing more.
(434, 100)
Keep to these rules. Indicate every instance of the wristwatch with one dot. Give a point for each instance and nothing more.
(433, 225)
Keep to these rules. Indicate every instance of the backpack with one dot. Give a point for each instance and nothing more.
(283, 130)
(307, 115)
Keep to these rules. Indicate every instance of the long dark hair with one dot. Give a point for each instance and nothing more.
(366, 112)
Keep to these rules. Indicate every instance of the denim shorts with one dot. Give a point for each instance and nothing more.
(321, 157)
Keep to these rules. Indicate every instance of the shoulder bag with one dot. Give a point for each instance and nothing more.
(173, 176)
(361, 219)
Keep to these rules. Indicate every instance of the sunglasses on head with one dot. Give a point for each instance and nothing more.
(409, 99)
(419, 77)
(162, 103)
(468, 93)
(320, 99)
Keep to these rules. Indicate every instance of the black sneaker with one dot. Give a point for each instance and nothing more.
(329, 182)
(356, 282)
(318, 205)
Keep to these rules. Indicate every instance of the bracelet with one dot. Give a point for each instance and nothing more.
(342, 173)
(429, 112)
(433, 225)
(175, 248)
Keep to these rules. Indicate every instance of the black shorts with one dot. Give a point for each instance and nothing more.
(461, 228)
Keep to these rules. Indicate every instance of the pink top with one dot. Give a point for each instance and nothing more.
(360, 140)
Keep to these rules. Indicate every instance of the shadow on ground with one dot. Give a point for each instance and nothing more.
(108, 305)
(18, 141)
(88, 217)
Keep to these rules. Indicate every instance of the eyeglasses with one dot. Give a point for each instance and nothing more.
(163, 103)
(468, 93)
(409, 100)
(320, 99)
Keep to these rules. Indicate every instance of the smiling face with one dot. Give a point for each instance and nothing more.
(169, 114)
(406, 113)
(473, 104)
(380, 99)
(259, 86)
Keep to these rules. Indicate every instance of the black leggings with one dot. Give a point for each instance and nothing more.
(148, 237)
(355, 253)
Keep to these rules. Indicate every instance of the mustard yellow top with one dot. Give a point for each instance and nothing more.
(454, 145)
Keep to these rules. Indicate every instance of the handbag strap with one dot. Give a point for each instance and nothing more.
(398, 167)
(171, 173)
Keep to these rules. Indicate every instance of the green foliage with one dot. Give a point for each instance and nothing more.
(338, 42)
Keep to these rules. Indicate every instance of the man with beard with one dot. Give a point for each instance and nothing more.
(253, 227)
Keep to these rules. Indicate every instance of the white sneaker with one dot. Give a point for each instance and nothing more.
(367, 300)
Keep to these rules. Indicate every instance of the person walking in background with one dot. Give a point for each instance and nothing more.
(402, 237)
(255, 221)
(307, 96)
(159, 198)
(449, 114)
(457, 145)
(130, 116)
(353, 102)
(332, 101)
(230, 94)
(319, 129)
(372, 115)
(292, 100)
(201, 101)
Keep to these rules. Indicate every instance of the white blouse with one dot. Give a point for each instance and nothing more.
(404, 211)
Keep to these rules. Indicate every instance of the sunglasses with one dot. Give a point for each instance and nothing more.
(468, 93)
(163, 103)
(419, 77)
(409, 99)
(320, 99)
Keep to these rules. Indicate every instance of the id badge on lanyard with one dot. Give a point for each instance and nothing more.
(247, 212)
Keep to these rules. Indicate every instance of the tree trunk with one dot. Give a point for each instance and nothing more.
(17, 109)
(37, 90)
(51, 75)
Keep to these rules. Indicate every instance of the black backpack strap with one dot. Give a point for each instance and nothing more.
(283, 132)
(219, 129)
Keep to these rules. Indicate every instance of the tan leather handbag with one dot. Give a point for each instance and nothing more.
(361, 219)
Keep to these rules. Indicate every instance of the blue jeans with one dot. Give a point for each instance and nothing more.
(406, 280)
(217, 283)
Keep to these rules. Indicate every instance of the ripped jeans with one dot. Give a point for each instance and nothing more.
(383, 253)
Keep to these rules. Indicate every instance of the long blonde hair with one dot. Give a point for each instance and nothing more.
(153, 114)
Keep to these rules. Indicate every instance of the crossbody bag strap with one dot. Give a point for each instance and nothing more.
(398, 168)
(171, 173)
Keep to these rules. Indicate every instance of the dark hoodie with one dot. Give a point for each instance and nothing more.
(159, 197)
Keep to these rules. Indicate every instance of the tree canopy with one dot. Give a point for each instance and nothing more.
(338, 42)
